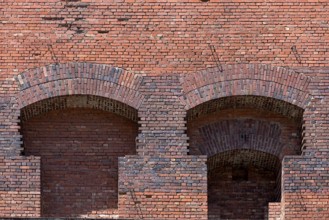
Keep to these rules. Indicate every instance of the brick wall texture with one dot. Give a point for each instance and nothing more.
(194, 109)
(79, 150)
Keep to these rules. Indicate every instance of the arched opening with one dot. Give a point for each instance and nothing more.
(79, 139)
(245, 139)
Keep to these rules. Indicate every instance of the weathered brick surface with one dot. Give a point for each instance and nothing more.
(20, 187)
(163, 187)
(162, 182)
(163, 36)
(162, 118)
(243, 79)
(172, 62)
(305, 186)
(76, 79)
(244, 128)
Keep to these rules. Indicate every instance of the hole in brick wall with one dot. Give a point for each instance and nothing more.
(79, 30)
(123, 19)
(79, 5)
(65, 25)
(148, 196)
(53, 18)
(102, 32)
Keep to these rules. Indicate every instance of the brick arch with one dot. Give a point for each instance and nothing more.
(246, 79)
(78, 101)
(237, 134)
(245, 126)
(262, 103)
(79, 79)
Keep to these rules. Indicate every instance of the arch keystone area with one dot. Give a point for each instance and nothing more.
(246, 79)
(79, 79)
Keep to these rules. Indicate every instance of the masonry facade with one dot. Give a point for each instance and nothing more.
(164, 109)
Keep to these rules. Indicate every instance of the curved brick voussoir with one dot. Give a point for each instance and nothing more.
(79, 79)
(241, 134)
(246, 79)
(80, 101)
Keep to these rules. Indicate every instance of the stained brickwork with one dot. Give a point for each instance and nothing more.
(163, 181)
(165, 64)
(259, 103)
(163, 187)
(162, 106)
(79, 79)
(244, 129)
(20, 186)
(305, 185)
(163, 37)
(244, 158)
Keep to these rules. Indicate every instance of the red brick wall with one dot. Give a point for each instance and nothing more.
(213, 49)
(79, 150)
(305, 185)
(160, 36)
(20, 187)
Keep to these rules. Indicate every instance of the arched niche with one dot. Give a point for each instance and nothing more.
(245, 139)
(79, 139)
